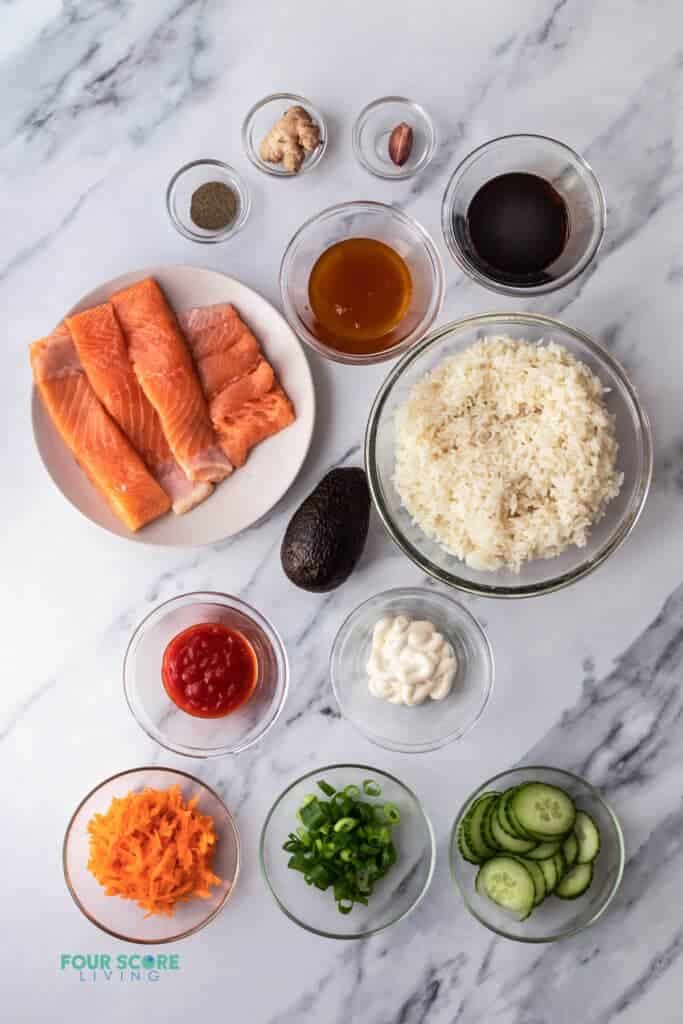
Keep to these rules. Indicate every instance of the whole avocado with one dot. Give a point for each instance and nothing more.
(326, 535)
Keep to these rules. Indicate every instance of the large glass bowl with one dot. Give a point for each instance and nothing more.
(123, 918)
(393, 897)
(174, 728)
(554, 918)
(385, 224)
(539, 576)
(569, 175)
(434, 723)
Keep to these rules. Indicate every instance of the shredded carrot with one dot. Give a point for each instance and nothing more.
(155, 848)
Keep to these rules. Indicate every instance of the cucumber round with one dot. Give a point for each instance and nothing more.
(486, 830)
(588, 838)
(543, 811)
(505, 842)
(506, 818)
(544, 851)
(570, 849)
(472, 827)
(463, 846)
(508, 883)
(549, 869)
(560, 865)
(538, 877)
(575, 882)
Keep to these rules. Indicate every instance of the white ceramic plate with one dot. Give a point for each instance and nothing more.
(272, 466)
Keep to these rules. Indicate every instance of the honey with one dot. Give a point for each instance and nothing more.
(359, 292)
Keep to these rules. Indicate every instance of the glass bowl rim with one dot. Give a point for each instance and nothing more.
(597, 796)
(188, 931)
(230, 601)
(244, 195)
(641, 487)
(473, 623)
(400, 174)
(371, 771)
(483, 279)
(261, 165)
(329, 213)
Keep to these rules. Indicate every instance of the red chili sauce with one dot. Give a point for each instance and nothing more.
(209, 670)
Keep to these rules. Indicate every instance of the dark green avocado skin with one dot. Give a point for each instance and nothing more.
(327, 533)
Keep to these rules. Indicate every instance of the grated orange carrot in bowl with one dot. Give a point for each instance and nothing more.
(155, 848)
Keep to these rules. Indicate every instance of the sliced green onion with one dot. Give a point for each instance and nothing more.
(371, 788)
(392, 813)
(344, 842)
(345, 824)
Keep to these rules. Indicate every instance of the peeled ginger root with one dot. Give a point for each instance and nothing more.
(288, 141)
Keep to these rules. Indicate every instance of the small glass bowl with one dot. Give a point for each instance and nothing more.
(123, 919)
(565, 170)
(186, 181)
(261, 118)
(373, 128)
(362, 219)
(177, 730)
(554, 918)
(394, 896)
(434, 723)
(540, 576)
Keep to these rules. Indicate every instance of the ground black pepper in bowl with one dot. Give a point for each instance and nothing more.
(213, 206)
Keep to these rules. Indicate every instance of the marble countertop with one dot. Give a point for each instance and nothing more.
(100, 101)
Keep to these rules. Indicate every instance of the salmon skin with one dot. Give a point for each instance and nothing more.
(246, 402)
(102, 350)
(165, 371)
(100, 447)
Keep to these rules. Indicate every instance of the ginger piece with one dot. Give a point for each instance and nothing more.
(290, 139)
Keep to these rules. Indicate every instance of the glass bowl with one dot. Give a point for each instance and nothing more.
(179, 197)
(177, 730)
(375, 124)
(553, 918)
(394, 896)
(261, 118)
(363, 220)
(540, 576)
(567, 172)
(434, 723)
(123, 918)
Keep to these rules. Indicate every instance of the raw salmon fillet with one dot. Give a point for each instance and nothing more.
(253, 422)
(246, 402)
(163, 366)
(102, 350)
(101, 449)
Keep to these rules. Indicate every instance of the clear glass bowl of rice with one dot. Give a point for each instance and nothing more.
(540, 575)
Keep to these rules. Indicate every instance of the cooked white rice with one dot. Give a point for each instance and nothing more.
(506, 452)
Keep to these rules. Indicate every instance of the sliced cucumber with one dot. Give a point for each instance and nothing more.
(570, 849)
(544, 851)
(538, 877)
(543, 811)
(505, 817)
(549, 869)
(560, 865)
(486, 830)
(504, 841)
(463, 847)
(575, 882)
(472, 827)
(588, 837)
(508, 883)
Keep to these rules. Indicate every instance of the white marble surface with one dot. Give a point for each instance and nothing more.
(100, 100)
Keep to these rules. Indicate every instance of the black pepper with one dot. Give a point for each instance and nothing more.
(213, 206)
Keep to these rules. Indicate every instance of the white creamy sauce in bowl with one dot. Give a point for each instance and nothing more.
(410, 661)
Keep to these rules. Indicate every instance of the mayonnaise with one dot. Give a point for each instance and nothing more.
(410, 661)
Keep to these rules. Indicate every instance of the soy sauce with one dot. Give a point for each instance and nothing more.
(517, 225)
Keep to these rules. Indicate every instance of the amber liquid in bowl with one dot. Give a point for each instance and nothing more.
(359, 292)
